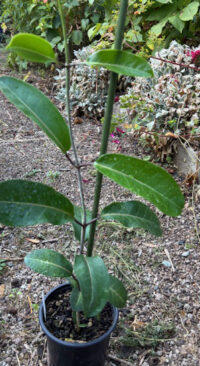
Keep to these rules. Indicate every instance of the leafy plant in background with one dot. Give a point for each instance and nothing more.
(25, 202)
(88, 86)
(42, 18)
(152, 25)
(167, 104)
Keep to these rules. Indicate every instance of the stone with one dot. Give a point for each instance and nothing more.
(187, 161)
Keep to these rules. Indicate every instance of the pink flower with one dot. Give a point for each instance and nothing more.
(112, 135)
(116, 99)
(116, 141)
(45, 1)
(119, 130)
(86, 180)
(195, 55)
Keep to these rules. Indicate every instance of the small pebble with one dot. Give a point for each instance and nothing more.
(185, 254)
(166, 263)
(181, 242)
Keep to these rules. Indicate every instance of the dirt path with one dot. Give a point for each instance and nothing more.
(161, 323)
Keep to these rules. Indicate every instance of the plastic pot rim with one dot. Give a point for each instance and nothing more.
(74, 344)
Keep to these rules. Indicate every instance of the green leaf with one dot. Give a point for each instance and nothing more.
(189, 11)
(164, 1)
(35, 105)
(32, 48)
(133, 214)
(24, 203)
(121, 62)
(49, 263)
(117, 294)
(145, 179)
(93, 279)
(77, 37)
(78, 214)
(163, 12)
(94, 30)
(157, 28)
(177, 23)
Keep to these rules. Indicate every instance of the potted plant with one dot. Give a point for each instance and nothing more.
(91, 294)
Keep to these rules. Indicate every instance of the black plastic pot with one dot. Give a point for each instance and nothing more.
(61, 353)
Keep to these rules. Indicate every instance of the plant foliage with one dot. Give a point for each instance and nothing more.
(27, 203)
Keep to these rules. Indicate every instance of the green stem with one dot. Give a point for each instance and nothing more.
(107, 121)
(67, 79)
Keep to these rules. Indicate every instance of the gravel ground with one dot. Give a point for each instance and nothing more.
(161, 323)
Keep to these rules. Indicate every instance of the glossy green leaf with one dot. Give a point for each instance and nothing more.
(35, 105)
(32, 48)
(78, 214)
(145, 179)
(93, 279)
(189, 11)
(49, 263)
(121, 62)
(24, 203)
(133, 214)
(117, 294)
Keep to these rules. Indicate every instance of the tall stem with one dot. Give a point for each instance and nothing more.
(67, 79)
(107, 121)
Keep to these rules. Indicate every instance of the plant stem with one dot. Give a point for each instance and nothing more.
(107, 121)
(67, 79)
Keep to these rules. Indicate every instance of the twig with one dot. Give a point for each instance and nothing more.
(40, 334)
(143, 356)
(168, 256)
(52, 240)
(30, 303)
(175, 63)
(11, 259)
(184, 327)
(114, 358)
(18, 361)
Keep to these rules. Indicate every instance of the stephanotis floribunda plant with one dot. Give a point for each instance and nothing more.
(25, 203)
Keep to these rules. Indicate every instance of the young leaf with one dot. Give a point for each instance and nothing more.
(157, 28)
(145, 179)
(133, 214)
(117, 294)
(93, 279)
(78, 214)
(49, 263)
(189, 11)
(32, 48)
(35, 105)
(121, 62)
(25, 203)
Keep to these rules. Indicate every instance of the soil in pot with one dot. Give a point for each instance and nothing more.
(59, 320)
